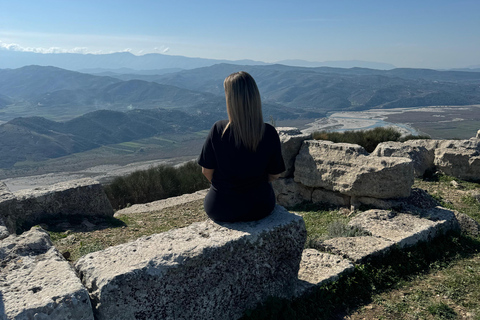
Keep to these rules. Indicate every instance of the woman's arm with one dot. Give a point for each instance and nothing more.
(208, 173)
(273, 177)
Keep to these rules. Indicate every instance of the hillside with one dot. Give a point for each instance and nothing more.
(37, 139)
(326, 89)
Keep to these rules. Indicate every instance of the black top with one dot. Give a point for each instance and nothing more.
(238, 170)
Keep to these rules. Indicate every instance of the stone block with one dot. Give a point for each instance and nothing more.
(422, 158)
(358, 249)
(291, 140)
(290, 193)
(36, 282)
(403, 229)
(76, 197)
(347, 168)
(203, 271)
(330, 197)
(462, 163)
(319, 268)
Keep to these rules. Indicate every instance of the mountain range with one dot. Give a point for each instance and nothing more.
(50, 112)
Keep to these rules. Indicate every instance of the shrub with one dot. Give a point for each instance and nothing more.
(155, 183)
(369, 139)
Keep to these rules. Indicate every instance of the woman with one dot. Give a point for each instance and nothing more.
(241, 156)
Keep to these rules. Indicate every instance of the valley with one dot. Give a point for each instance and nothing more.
(57, 124)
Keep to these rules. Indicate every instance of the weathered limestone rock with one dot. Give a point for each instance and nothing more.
(358, 249)
(403, 229)
(347, 168)
(423, 158)
(463, 163)
(291, 140)
(330, 197)
(203, 271)
(7, 207)
(77, 197)
(36, 282)
(478, 135)
(467, 224)
(3, 230)
(289, 193)
(319, 268)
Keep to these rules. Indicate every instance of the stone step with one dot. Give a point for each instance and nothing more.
(36, 282)
(319, 268)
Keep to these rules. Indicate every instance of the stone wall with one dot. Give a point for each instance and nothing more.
(346, 175)
(28, 207)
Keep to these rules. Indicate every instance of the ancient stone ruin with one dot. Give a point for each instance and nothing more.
(346, 175)
(217, 271)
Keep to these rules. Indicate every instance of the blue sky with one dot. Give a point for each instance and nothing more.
(428, 34)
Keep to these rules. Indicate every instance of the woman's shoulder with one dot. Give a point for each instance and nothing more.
(269, 129)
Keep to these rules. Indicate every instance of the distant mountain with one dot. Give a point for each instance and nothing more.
(60, 94)
(339, 64)
(119, 60)
(327, 89)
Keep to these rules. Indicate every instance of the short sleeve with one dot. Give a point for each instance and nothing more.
(275, 164)
(207, 156)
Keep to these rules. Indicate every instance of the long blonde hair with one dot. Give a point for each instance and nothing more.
(244, 108)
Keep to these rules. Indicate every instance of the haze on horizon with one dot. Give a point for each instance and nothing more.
(436, 34)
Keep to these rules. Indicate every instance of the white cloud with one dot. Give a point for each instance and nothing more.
(17, 47)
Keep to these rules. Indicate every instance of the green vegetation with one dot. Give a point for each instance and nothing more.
(369, 139)
(156, 183)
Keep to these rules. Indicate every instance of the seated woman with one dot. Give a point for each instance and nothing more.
(241, 156)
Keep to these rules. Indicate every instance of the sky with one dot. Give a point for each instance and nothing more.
(418, 34)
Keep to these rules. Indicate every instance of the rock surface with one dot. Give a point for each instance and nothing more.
(76, 197)
(204, 271)
(36, 282)
(423, 158)
(463, 163)
(347, 168)
(289, 193)
(403, 229)
(358, 249)
(291, 140)
(319, 268)
(7, 209)
(162, 204)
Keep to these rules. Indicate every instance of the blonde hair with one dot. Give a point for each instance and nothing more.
(244, 108)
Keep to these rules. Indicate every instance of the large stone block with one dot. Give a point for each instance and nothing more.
(319, 268)
(463, 163)
(423, 158)
(76, 197)
(347, 168)
(291, 140)
(289, 193)
(36, 282)
(204, 271)
(403, 229)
